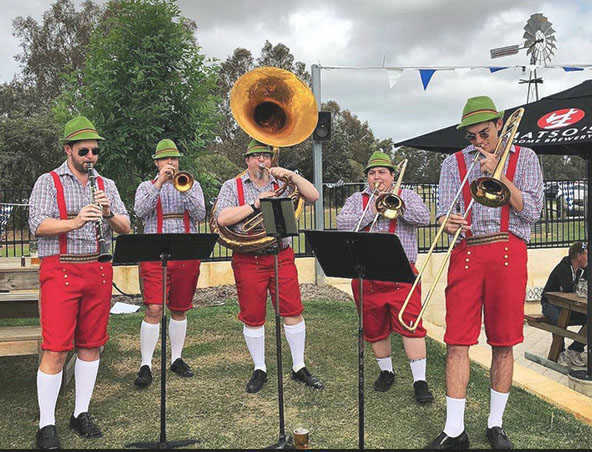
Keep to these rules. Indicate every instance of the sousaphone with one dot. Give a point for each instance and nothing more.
(275, 107)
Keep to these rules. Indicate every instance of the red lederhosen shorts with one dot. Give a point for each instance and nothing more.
(181, 283)
(75, 299)
(491, 278)
(255, 275)
(382, 303)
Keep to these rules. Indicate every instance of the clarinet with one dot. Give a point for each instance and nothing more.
(104, 254)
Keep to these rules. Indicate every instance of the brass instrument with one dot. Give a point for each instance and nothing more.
(276, 108)
(490, 190)
(104, 254)
(502, 148)
(389, 205)
(182, 181)
(370, 200)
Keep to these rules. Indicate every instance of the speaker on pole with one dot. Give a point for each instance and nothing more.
(322, 131)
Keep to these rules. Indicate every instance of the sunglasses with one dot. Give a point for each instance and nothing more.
(472, 137)
(83, 151)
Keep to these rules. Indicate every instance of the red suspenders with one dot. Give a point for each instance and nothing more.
(62, 207)
(159, 217)
(462, 169)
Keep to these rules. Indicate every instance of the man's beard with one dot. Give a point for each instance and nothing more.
(79, 166)
(260, 175)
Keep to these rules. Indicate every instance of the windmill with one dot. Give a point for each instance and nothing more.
(540, 41)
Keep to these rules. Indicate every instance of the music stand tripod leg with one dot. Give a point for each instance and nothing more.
(284, 441)
(163, 443)
(361, 366)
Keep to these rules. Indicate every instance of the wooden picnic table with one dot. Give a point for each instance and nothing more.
(568, 302)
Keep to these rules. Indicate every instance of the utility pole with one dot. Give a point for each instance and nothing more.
(317, 157)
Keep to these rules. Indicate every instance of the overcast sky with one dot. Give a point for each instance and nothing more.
(419, 33)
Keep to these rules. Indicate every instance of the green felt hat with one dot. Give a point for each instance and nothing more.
(379, 158)
(166, 148)
(479, 109)
(78, 129)
(257, 147)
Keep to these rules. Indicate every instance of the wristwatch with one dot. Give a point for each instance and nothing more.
(253, 206)
(111, 215)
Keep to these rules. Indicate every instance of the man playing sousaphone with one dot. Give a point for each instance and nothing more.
(487, 270)
(164, 207)
(383, 300)
(254, 271)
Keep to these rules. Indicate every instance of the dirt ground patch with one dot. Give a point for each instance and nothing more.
(218, 295)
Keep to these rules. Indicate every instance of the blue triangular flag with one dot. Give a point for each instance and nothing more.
(572, 69)
(426, 75)
(497, 68)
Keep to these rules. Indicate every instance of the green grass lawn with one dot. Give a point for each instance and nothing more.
(214, 407)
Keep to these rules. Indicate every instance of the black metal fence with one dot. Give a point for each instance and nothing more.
(562, 223)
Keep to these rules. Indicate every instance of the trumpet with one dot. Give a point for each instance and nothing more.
(490, 192)
(182, 181)
(104, 254)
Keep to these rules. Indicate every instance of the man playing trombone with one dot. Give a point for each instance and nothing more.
(383, 300)
(254, 273)
(487, 271)
(170, 203)
(75, 286)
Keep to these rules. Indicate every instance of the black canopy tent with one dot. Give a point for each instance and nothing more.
(560, 124)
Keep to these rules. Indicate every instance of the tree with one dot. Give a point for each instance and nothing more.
(55, 46)
(145, 79)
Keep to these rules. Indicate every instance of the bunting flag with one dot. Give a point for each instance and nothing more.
(393, 76)
(426, 76)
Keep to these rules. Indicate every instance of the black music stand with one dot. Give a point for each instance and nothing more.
(279, 221)
(361, 255)
(135, 248)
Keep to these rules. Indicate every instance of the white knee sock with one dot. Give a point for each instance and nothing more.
(497, 406)
(418, 369)
(177, 332)
(296, 337)
(385, 363)
(148, 338)
(255, 339)
(455, 416)
(48, 388)
(85, 376)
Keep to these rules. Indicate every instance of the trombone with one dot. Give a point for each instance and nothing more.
(489, 190)
(389, 205)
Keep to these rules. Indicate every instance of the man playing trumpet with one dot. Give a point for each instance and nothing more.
(165, 209)
(254, 272)
(75, 291)
(487, 270)
(383, 300)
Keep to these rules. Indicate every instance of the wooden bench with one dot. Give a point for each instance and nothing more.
(19, 299)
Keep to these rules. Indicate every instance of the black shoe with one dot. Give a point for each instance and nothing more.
(384, 381)
(47, 438)
(144, 377)
(84, 426)
(304, 376)
(443, 441)
(181, 368)
(422, 392)
(498, 438)
(256, 382)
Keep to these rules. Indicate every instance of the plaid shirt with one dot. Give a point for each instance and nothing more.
(43, 204)
(173, 202)
(487, 220)
(228, 197)
(416, 214)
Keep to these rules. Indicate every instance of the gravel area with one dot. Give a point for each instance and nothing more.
(218, 295)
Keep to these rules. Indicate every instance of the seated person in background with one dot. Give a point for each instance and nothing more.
(563, 278)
